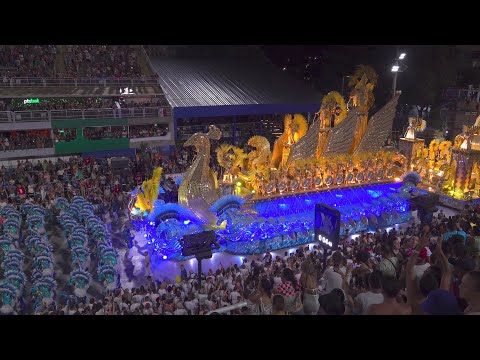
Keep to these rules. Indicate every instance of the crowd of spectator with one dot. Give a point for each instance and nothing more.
(112, 132)
(27, 60)
(79, 103)
(151, 130)
(43, 181)
(101, 61)
(24, 140)
(105, 132)
(93, 61)
(419, 269)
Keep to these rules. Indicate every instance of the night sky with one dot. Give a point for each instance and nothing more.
(335, 61)
(429, 70)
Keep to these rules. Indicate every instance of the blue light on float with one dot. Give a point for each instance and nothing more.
(164, 257)
(247, 237)
(374, 194)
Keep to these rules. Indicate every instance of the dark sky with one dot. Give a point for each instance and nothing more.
(335, 61)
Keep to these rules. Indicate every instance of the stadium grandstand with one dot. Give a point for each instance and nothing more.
(75, 99)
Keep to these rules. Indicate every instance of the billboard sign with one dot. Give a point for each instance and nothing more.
(327, 226)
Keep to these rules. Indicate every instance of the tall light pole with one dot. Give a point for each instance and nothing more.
(343, 81)
(396, 69)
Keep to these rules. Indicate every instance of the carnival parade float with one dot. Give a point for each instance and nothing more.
(449, 169)
(265, 199)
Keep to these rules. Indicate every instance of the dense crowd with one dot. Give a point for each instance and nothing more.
(79, 103)
(24, 140)
(44, 181)
(93, 61)
(27, 60)
(142, 131)
(100, 61)
(419, 269)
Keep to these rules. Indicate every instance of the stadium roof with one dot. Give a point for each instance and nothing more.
(223, 86)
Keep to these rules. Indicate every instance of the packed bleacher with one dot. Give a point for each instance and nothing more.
(100, 61)
(27, 60)
(77, 103)
(79, 61)
(25, 140)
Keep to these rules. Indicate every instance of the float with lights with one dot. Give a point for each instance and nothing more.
(265, 199)
(451, 170)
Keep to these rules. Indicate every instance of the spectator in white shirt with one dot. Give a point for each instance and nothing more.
(422, 262)
(333, 279)
(180, 310)
(234, 295)
(372, 296)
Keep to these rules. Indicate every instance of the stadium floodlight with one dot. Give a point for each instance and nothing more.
(395, 68)
(402, 56)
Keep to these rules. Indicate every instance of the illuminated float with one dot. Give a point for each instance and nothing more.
(265, 199)
(452, 170)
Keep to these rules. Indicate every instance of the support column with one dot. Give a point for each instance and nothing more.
(234, 130)
(410, 147)
(175, 135)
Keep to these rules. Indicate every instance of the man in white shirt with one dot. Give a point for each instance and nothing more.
(244, 271)
(137, 298)
(134, 307)
(234, 295)
(180, 310)
(422, 263)
(372, 296)
(333, 279)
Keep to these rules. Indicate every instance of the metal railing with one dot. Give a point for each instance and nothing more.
(229, 308)
(77, 82)
(82, 114)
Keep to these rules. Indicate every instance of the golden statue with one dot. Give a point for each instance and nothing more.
(148, 191)
(333, 110)
(199, 188)
(230, 158)
(415, 124)
(295, 128)
(362, 83)
(259, 159)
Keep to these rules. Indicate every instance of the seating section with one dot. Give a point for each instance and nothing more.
(72, 61)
